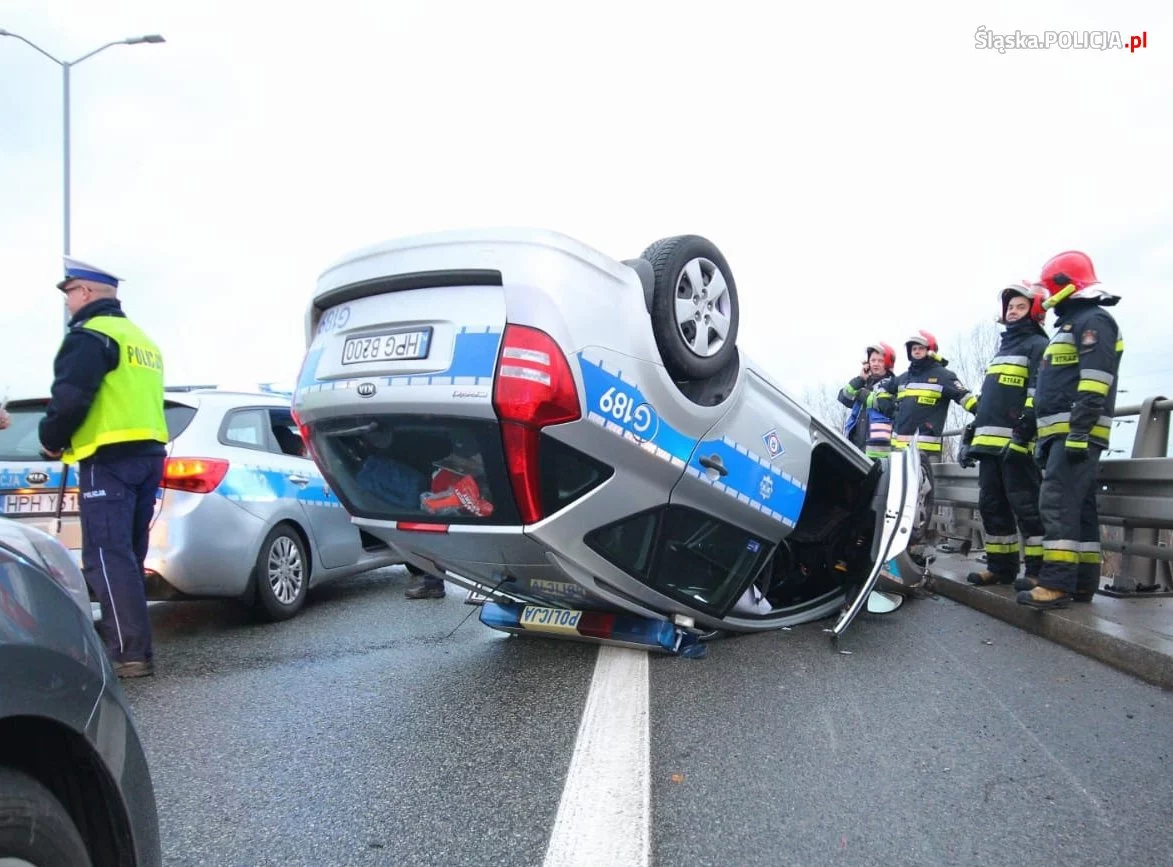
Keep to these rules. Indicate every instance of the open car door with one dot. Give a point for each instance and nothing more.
(895, 522)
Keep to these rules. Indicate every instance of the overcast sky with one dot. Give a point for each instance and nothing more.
(866, 169)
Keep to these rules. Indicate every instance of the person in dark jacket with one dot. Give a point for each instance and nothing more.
(918, 403)
(1074, 401)
(105, 415)
(1001, 437)
(868, 429)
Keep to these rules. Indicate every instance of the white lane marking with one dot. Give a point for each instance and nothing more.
(604, 815)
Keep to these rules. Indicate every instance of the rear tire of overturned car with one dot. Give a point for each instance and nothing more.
(694, 306)
(282, 574)
(34, 826)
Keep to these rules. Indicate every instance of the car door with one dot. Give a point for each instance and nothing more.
(337, 538)
(750, 468)
(740, 493)
(903, 500)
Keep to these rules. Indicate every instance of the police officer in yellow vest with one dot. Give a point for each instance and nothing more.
(106, 416)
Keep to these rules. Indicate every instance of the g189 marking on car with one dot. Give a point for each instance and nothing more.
(617, 445)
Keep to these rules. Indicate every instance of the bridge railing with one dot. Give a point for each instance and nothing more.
(1135, 505)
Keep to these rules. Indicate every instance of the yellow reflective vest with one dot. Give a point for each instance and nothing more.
(129, 404)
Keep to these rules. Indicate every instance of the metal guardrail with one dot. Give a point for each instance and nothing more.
(1136, 494)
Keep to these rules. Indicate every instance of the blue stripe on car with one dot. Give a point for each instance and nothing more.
(752, 480)
(474, 361)
(634, 417)
(253, 484)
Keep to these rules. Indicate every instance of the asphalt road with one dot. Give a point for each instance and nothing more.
(375, 730)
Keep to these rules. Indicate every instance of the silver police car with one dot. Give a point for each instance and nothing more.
(580, 440)
(242, 511)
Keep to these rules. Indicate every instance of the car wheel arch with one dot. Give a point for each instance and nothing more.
(66, 763)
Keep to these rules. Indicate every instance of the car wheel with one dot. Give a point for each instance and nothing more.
(34, 827)
(283, 574)
(694, 306)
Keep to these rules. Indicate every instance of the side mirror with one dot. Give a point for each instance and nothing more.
(880, 602)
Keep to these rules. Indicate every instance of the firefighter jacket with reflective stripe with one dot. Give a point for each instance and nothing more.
(867, 428)
(1076, 391)
(918, 402)
(129, 404)
(1006, 405)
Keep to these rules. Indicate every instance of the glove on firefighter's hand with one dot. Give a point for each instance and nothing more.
(1025, 428)
(1076, 452)
(964, 456)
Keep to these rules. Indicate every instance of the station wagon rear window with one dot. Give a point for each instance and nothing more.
(21, 440)
(417, 469)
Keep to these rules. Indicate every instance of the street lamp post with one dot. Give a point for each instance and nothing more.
(67, 65)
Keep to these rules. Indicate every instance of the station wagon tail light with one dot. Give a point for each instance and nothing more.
(195, 475)
(533, 389)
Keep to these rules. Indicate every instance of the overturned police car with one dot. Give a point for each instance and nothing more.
(580, 440)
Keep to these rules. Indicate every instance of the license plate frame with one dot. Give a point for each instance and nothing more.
(44, 498)
(384, 346)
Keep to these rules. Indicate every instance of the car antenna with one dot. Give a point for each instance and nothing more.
(470, 613)
(61, 494)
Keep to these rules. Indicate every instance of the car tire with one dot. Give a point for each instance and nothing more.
(688, 335)
(35, 827)
(282, 574)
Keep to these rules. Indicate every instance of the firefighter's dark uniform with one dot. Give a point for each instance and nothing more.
(866, 427)
(1003, 442)
(918, 403)
(106, 415)
(1074, 401)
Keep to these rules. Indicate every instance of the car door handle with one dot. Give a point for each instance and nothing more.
(714, 463)
(298, 480)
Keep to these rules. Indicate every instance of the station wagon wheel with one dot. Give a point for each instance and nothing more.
(282, 574)
(695, 310)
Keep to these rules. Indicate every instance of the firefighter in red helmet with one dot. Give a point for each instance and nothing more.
(868, 428)
(1001, 437)
(918, 402)
(1075, 397)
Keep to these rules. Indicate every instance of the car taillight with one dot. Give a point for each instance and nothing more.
(196, 475)
(533, 389)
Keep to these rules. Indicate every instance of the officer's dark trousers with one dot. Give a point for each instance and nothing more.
(117, 502)
(1071, 524)
(1009, 504)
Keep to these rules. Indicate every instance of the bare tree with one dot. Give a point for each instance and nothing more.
(969, 358)
(823, 403)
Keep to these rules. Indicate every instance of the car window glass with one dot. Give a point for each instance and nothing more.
(628, 544)
(704, 560)
(286, 434)
(21, 440)
(247, 428)
(684, 553)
